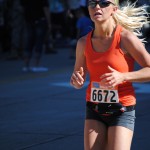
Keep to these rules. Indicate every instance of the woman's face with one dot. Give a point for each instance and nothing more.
(101, 10)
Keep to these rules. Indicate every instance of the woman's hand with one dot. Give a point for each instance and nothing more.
(77, 79)
(112, 79)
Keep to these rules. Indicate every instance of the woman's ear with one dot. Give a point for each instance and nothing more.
(115, 8)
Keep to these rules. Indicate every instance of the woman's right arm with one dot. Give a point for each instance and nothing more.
(79, 74)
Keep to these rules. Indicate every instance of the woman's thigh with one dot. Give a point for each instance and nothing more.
(95, 135)
(119, 138)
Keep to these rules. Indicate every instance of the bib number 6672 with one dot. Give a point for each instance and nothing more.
(104, 95)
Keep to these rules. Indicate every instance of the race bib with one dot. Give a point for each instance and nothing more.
(101, 94)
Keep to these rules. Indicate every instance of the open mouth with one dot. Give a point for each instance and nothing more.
(97, 14)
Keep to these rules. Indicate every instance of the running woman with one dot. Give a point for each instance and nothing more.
(107, 54)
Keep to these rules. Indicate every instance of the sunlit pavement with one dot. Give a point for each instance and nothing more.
(41, 111)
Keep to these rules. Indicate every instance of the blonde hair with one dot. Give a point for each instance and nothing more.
(132, 18)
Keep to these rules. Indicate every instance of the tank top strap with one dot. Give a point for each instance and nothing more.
(118, 36)
(88, 41)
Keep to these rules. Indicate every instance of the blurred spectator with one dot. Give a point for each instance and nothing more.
(58, 11)
(5, 27)
(57, 17)
(83, 5)
(16, 25)
(73, 6)
(37, 23)
(1, 25)
(49, 43)
(83, 26)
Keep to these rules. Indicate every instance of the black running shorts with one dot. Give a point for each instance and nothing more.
(125, 119)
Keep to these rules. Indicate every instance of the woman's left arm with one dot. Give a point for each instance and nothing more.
(136, 49)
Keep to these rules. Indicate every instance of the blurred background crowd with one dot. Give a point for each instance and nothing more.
(40, 26)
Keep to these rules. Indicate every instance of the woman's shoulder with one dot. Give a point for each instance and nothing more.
(82, 40)
(127, 35)
(81, 44)
(129, 38)
(129, 41)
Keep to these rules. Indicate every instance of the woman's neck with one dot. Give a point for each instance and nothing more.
(104, 30)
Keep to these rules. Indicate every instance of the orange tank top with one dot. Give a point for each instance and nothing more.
(97, 63)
